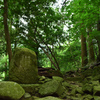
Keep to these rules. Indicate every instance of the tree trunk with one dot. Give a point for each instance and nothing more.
(90, 47)
(7, 36)
(98, 41)
(83, 51)
(6, 72)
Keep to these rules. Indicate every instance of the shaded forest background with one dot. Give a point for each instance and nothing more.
(65, 36)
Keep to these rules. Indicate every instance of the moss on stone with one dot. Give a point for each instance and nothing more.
(23, 66)
(11, 90)
(51, 88)
(49, 98)
(31, 88)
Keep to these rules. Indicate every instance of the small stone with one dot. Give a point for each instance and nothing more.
(60, 79)
(66, 84)
(87, 88)
(27, 95)
(79, 90)
(95, 83)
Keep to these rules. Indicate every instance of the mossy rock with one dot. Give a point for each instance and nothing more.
(96, 97)
(66, 84)
(23, 67)
(33, 89)
(87, 88)
(88, 97)
(91, 72)
(96, 90)
(10, 90)
(51, 88)
(49, 98)
(57, 78)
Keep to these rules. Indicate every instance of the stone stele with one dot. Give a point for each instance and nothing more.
(23, 67)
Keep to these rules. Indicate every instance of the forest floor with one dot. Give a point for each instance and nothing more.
(83, 84)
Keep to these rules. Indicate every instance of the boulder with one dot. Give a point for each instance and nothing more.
(51, 88)
(10, 90)
(23, 67)
(49, 98)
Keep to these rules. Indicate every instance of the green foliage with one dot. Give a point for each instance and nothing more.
(82, 14)
(3, 66)
(69, 56)
(38, 26)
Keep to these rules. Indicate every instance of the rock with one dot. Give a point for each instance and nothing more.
(96, 90)
(73, 92)
(96, 97)
(43, 79)
(97, 77)
(49, 98)
(30, 98)
(51, 88)
(79, 95)
(79, 90)
(76, 90)
(87, 88)
(31, 88)
(65, 94)
(88, 97)
(66, 84)
(35, 97)
(94, 83)
(10, 90)
(87, 79)
(74, 98)
(23, 67)
(60, 79)
(27, 95)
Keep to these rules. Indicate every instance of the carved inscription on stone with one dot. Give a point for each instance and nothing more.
(25, 61)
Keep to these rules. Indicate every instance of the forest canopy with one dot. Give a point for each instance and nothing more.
(65, 34)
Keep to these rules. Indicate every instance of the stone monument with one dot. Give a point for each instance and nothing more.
(23, 67)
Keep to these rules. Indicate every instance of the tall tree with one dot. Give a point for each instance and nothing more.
(83, 50)
(98, 39)
(90, 46)
(84, 12)
(7, 36)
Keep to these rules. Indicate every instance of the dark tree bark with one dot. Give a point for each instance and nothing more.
(90, 46)
(98, 41)
(83, 51)
(7, 36)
